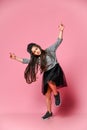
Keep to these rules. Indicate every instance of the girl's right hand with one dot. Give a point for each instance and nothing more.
(12, 55)
(61, 27)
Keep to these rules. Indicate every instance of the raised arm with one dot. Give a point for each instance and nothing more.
(61, 28)
(59, 39)
(22, 60)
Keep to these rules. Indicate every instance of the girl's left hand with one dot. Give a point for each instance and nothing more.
(61, 27)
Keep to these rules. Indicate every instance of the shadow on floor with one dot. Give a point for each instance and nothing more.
(68, 104)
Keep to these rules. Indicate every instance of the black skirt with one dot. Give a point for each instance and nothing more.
(55, 75)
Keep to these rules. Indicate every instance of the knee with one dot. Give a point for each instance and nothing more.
(51, 83)
(48, 95)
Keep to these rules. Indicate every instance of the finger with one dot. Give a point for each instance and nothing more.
(10, 55)
(61, 24)
(13, 54)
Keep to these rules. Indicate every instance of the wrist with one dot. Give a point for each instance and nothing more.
(61, 30)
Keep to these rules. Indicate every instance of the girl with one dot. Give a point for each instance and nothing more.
(46, 61)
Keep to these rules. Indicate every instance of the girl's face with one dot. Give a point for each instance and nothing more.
(36, 50)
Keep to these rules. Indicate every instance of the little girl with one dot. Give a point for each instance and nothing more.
(46, 61)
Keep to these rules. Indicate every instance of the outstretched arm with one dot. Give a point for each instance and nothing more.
(22, 60)
(59, 39)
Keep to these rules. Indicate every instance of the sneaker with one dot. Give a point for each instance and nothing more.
(57, 99)
(47, 115)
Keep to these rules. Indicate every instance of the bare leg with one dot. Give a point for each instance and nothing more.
(48, 99)
(53, 87)
(48, 104)
(55, 92)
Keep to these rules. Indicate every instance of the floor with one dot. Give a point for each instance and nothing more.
(31, 121)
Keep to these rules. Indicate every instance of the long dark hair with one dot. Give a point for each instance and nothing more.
(34, 63)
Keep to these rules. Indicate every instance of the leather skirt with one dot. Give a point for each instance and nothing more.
(56, 75)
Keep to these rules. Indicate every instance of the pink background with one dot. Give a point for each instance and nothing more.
(23, 21)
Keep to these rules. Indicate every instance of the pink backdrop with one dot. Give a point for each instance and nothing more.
(23, 21)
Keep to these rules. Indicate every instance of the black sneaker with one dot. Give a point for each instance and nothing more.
(47, 115)
(57, 99)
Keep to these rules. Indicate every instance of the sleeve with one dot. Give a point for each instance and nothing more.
(55, 45)
(25, 61)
